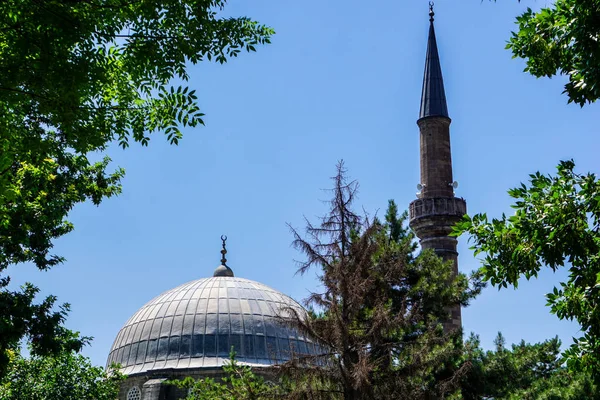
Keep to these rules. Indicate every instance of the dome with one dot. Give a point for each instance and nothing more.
(195, 325)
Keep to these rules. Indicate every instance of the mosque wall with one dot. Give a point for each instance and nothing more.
(155, 385)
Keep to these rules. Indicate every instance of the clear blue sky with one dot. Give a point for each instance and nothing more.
(342, 79)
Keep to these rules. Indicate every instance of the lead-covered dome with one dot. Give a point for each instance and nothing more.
(196, 324)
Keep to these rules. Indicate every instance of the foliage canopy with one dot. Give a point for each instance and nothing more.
(76, 76)
(67, 376)
(556, 225)
(523, 372)
(562, 39)
(238, 383)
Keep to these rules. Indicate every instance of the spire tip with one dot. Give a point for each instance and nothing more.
(224, 251)
(431, 12)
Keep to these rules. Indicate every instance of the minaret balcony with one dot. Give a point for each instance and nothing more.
(435, 216)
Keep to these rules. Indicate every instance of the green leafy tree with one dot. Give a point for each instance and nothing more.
(378, 316)
(67, 376)
(524, 372)
(238, 383)
(556, 225)
(562, 38)
(41, 323)
(76, 76)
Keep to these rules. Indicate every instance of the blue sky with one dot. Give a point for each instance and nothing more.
(341, 80)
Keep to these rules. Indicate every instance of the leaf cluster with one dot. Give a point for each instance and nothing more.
(76, 76)
(67, 376)
(238, 382)
(40, 323)
(562, 39)
(556, 225)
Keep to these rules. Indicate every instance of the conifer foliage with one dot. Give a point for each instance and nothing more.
(523, 371)
(380, 309)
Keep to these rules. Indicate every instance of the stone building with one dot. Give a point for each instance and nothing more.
(189, 330)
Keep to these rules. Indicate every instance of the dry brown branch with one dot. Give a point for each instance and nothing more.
(378, 315)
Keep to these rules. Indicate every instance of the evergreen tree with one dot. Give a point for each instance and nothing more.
(523, 372)
(378, 318)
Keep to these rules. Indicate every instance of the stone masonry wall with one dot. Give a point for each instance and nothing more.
(433, 215)
(436, 159)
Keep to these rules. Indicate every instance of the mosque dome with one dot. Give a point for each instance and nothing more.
(195, 325)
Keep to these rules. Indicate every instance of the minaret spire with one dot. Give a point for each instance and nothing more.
(436, 210)
(433, 97)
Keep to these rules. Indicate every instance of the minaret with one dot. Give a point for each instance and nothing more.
(436, 210)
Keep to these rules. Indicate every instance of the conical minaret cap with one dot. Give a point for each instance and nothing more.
(433, 96)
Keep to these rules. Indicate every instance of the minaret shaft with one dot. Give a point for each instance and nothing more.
(436, 158)
(436, 211)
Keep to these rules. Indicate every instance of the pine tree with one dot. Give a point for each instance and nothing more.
(379, 314)
(523, 371)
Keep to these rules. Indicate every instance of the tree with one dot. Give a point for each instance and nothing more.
(67, 376)
(40, 323)
(239, 383)
(74, 77)
(556, 225)
(379, 316)
(562, 39)
(526, 371)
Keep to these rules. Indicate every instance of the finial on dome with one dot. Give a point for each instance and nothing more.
(223, 269)
(224, 251)
(431, 13)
